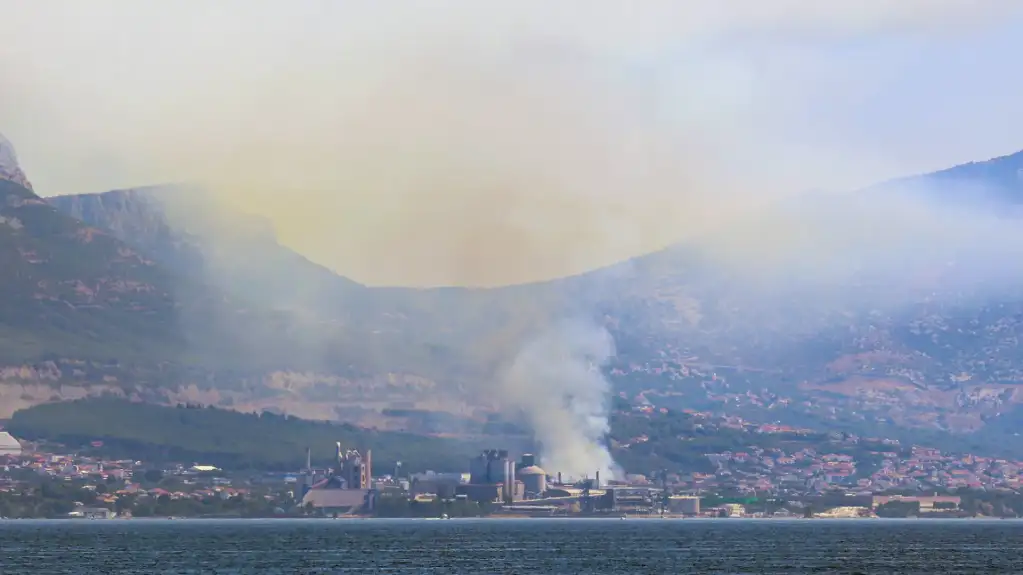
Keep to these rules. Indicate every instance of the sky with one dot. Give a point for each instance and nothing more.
(456, 142)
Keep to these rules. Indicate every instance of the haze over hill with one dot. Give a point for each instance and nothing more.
(488, 146)
(894, 297)
(908, 287)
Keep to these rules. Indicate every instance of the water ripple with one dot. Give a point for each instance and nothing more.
(510, 547)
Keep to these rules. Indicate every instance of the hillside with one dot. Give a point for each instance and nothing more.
(911, 316)
(83, 312)
(890, 306)
(448, 341)
(81, 306)
(70, 286)
(228, 439)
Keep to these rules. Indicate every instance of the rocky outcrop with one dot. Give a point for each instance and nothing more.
(9, 167)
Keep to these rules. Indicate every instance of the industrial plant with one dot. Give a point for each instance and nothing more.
(347, 488)
(523, 488)
(495, 481)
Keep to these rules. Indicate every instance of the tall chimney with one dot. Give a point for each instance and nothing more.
(597, 480)
(308, 459)
(509, 480)
(510, 475)
(559, 479)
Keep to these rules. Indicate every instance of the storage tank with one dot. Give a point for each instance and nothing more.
(534, 479)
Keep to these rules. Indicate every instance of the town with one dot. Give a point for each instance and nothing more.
(884, 479)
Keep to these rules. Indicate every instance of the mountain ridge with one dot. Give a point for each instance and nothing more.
(886, 332)
(86, 314)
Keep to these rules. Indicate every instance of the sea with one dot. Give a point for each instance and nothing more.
(511, 546)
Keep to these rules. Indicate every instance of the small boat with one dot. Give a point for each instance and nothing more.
(444, 516)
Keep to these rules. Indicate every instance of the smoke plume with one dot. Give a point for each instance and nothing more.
(469, 143)
(483, 143)
(556, 381)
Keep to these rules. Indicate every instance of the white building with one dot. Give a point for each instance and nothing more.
(9, 445)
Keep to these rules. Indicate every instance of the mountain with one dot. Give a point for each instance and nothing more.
(279, 332)
(84, 313)
(900, 305)
(10, 169)
(195, 237)
(895, 307)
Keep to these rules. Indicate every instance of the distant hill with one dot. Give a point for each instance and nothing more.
(177, 227)
(75, 290)
(446, 343)
(896, 305)
(85, 312)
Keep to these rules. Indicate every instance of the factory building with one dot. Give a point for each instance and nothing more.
(356, 469)
(347, 489)
(490, 466)
(443, 485)
(492, 477)
(629, 499)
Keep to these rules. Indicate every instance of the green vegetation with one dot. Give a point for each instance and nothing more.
(898, 509)
(47, 498)
(992, 504)
(231, 440)
(227, 439)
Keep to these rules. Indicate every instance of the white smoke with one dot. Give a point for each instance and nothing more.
(556, 380)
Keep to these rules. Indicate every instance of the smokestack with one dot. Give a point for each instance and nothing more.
(596, 480)
(511, 481)
(340, 456)
(559, 479)
(504, 485)
(367, 469)
(308, 459)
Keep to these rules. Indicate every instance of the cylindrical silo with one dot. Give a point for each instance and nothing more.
(533, 479)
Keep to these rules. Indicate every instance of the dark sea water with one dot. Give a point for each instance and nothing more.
(567, 546)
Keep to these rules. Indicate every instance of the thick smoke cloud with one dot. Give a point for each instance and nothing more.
(556, 381)
(454, 142)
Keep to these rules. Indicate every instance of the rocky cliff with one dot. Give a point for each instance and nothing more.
(9, 168)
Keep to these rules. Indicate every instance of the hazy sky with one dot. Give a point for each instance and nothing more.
(485, 142)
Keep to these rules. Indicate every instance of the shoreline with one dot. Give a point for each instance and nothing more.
(502, 517)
